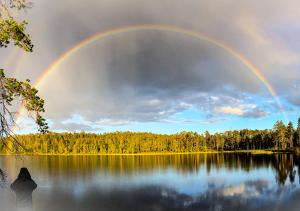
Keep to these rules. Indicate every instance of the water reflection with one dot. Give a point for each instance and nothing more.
(171, 182)
(284, 165)
(251, 195)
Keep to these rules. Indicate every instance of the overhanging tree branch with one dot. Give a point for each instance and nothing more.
(13, 91)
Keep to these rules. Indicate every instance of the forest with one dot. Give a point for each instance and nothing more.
(281, 137)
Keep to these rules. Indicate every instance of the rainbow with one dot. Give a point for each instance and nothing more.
(162, 28)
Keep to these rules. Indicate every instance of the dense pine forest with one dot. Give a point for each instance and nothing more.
(280, 137)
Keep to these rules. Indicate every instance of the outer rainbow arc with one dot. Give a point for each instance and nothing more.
(201, 36)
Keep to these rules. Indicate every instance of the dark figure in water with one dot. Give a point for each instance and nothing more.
(2, 179)
(23, 186)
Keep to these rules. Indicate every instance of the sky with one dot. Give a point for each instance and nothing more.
(162, 81)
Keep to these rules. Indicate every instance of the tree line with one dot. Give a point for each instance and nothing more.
(280, 137)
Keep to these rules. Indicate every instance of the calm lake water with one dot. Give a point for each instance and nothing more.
(172, 182)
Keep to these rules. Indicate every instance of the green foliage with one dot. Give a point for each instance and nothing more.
(13, 31)
(280, 134)
(130, 142)
(12, 89)
(289, 134)
(18, 4)
(297, 136)
(42, 124)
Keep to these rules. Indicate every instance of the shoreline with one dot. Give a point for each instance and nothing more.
(154, 153)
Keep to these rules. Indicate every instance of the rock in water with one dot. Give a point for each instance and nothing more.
(2, 179)
(23, 186)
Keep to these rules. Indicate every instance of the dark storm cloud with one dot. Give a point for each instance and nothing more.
(150, 76)
(175, 62)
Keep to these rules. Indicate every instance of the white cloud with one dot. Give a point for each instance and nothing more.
(230, 110)
(151, 76)
(243, 110)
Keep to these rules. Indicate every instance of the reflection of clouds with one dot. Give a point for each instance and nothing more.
(190, 174)
(231, 191)
(250, 195)
(194, 182)
(246, 190)
(7, 200)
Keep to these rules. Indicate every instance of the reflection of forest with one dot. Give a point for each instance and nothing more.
(284, 165)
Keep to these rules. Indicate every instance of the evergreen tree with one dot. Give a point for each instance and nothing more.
(290, 134)
(280, 135)
(298, 133)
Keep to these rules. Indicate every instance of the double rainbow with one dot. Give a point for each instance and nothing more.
(162, 28)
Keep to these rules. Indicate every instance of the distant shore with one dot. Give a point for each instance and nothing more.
(153, 153)
(145, 143)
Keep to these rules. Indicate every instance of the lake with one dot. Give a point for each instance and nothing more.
(157, 182)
